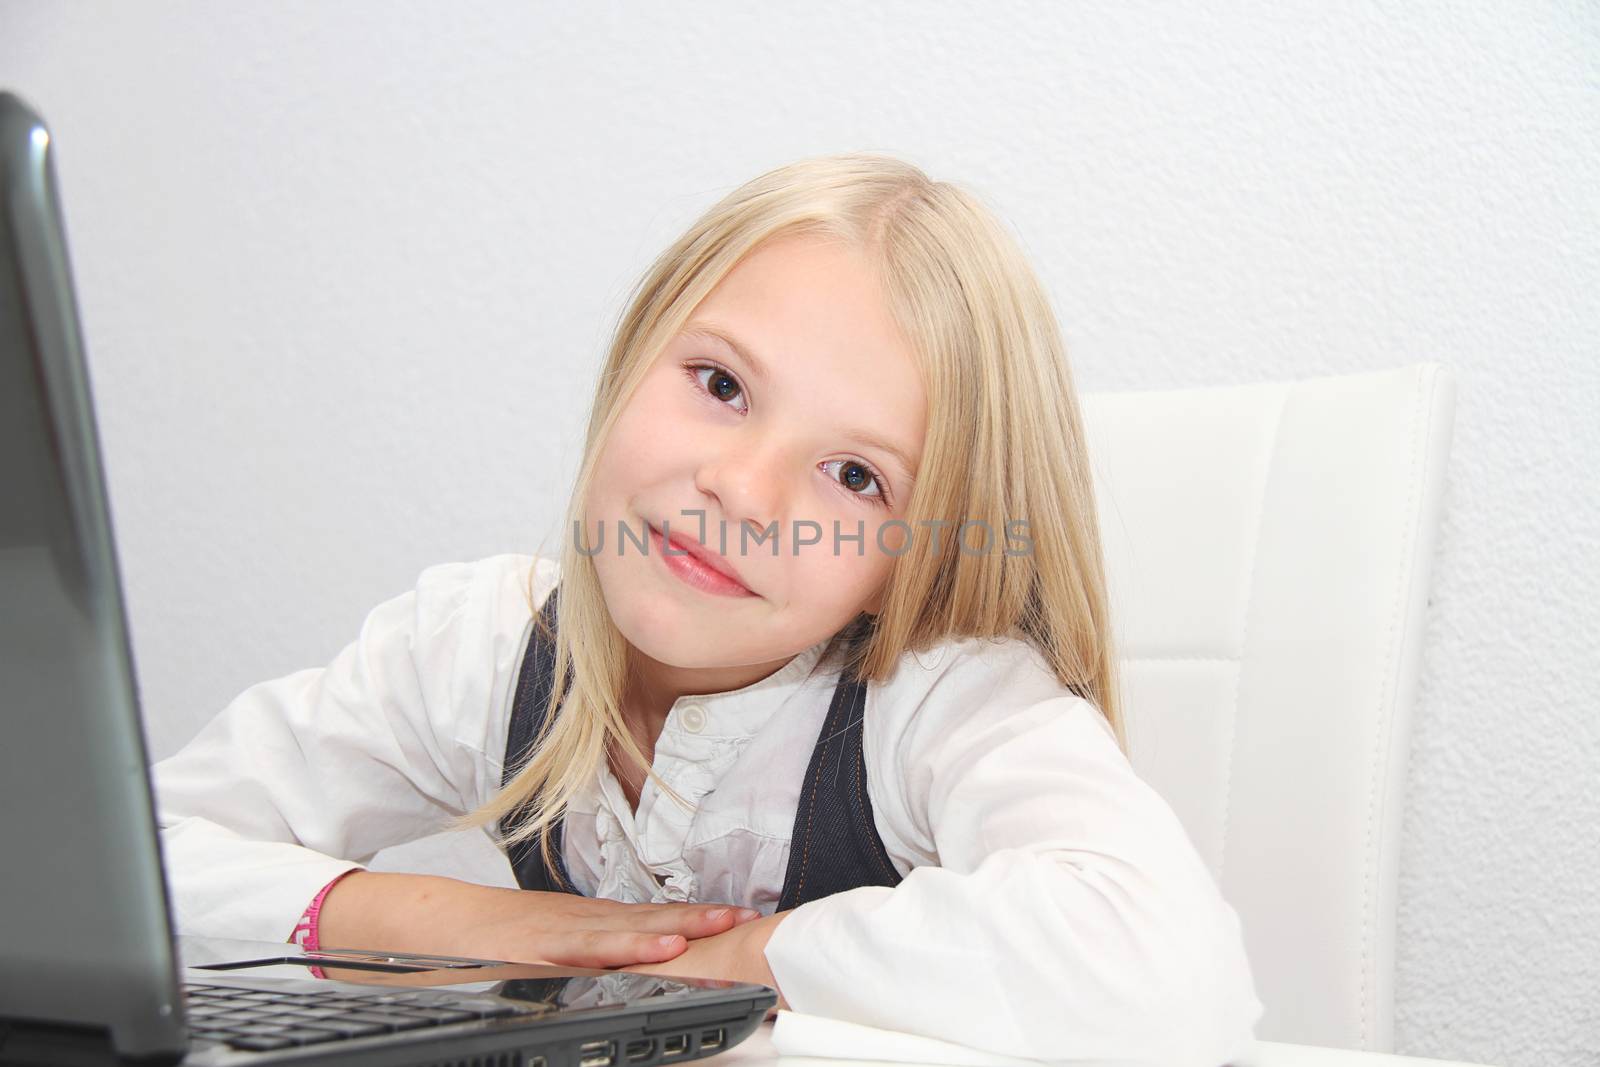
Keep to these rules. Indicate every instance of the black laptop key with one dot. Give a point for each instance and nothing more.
(260, 1044)
(213, 1033)
(345, 1028)
(407, 1010)
(308, 1036)
(396, 1019)
(375, 1018)
(444, 1015)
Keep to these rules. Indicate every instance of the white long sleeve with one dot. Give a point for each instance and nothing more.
(305, 776)
(1068, 918)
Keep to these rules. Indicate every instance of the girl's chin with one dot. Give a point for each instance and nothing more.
(674, 637)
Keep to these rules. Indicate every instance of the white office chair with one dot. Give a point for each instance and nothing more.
(1268, 551)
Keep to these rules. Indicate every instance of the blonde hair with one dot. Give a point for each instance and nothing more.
(1004, 441)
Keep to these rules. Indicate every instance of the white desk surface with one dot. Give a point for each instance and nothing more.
(757, 1051)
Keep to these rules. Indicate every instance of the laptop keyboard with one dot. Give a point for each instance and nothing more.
(260, 1020)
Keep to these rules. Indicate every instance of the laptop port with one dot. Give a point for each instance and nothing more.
(595, 1054)
(641, 1049)
(676, 1045)
(711, 1038)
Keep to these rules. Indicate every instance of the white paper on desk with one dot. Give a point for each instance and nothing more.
(797, 1034)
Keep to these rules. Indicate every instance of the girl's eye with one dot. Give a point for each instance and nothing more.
(718, 383)
(855, 475)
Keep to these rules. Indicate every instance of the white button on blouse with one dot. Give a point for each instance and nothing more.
(694, 718)
(1052, 905)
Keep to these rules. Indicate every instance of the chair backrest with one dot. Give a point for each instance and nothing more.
(1268, 550)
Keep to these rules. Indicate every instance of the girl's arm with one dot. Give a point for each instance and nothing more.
(307, 775)
(1055, 907)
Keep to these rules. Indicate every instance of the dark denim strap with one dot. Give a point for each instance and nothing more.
(535, 679)
(835, 845)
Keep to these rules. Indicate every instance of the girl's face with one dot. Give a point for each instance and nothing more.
(807, 419)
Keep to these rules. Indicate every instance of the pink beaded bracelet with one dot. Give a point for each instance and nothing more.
(305, 931)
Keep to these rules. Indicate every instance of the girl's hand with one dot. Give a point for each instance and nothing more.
(739, 955)
(429, 914)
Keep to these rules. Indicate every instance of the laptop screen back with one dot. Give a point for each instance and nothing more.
(85, 936)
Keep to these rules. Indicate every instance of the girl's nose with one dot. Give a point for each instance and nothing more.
(748, 484)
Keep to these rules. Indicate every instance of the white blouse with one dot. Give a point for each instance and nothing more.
(1052, 906)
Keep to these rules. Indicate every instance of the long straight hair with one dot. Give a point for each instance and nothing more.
(1004, 443)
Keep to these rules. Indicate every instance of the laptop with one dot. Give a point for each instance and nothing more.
(89, 969)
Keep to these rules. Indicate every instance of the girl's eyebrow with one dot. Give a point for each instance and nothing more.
(713, 332)
(716, 333)
(873, 441)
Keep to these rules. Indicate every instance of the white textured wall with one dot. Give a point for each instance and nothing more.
(346, 272)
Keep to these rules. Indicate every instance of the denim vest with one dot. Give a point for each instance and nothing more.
(835, 846)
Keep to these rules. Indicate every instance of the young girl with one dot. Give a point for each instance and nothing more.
(827, 640)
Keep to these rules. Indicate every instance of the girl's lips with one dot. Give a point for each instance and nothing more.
(693, 572)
